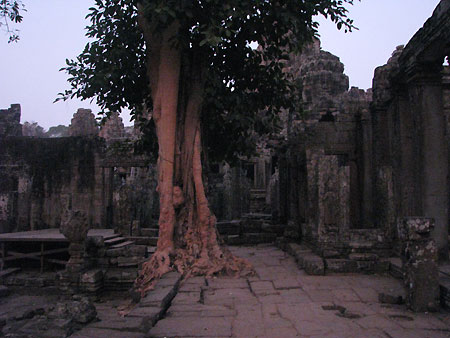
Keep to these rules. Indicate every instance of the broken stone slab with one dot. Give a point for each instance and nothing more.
(159, 297)
(149, 316)
(165, 290)
(172, 278)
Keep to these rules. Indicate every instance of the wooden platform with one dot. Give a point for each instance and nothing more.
(9, 252)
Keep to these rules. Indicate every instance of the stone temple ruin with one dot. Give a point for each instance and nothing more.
(358, 183)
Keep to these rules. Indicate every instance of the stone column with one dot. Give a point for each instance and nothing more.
(74, 226)
(419, 256)
(426, 85)
(366, 164)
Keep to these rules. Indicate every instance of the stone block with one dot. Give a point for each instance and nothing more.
(159, 297)
(421, 276)
(172, 279)
(234, 240)
(341, 265)
(138, 250)
(390, 298)
(272, 228)
(312, 264)
(257, 238)
(229, 227)
(129, 261)
(115, 252)
(363, 257)
(414, 228)
(93, 276)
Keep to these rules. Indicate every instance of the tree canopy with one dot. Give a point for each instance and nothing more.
(245, 88)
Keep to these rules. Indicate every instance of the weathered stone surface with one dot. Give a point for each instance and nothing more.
(186, 327)
(340, 265)
(420, 258)
(10, 121)
(83, 124)
(113, 128)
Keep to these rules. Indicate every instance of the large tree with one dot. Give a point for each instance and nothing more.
(189, 69)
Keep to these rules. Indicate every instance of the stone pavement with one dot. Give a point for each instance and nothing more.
(280, 301)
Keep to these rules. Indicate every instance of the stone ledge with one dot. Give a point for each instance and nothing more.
(306, 259)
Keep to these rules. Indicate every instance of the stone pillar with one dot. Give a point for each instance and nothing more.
(74, 226)
(366, 159)
(419, 256)
(426, 85)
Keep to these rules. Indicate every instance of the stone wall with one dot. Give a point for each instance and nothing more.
(41, 177)
(10, 121)
(352, 165)
(410, 131)
(324, 165)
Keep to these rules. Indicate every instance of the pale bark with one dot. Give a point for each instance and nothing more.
(188, 239)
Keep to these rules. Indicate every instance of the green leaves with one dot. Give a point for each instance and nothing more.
(245, 89)
(10, 13)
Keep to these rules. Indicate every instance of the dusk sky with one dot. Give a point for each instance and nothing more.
(53, 30)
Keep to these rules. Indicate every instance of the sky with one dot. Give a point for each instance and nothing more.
(53, 30)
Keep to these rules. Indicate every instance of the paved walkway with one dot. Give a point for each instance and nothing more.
(282, 301)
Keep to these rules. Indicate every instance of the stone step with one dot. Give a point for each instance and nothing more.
(111, 236)
(258, 238)
(257, 216)
(122, 244)
(149, 232)
(228, 227)
(261, 191)
(114, 241)
(143, 240)
(9, 271)
(151, 250)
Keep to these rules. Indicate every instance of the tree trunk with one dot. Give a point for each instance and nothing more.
(188, 240)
